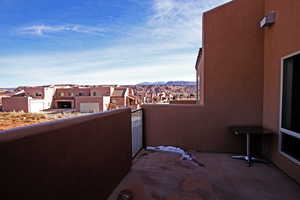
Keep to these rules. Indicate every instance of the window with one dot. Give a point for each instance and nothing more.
(62, 94)
(94, 93)
(290, 108)
(80, 94)
(37, 94)
(71, 94)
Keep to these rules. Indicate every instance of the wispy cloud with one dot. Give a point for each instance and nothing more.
(128, 65)
(174, 24)
(177, 18)
(40, 30)
(163, 48)
(180, 20)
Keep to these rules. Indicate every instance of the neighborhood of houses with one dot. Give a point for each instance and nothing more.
(92, 98)
(167, 94)
(83, 99)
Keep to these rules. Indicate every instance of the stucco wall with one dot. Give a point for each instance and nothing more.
(10, 104)
(49, 93)
(232, 81)
(2, 96)
(75, 91)
(36, 105)
(240, 80)
(281, 39)
(233, 60)
(106, 101)
(100, 91)
(79, 158)
(66, 91)
(31, 91)
(188, 126)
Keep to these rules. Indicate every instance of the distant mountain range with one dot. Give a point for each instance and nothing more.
(168, 83)
(7, 88)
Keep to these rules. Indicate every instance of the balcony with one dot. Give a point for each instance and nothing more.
(90, 157)
(164, 175)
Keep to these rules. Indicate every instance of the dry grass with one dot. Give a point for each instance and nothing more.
(16, 119)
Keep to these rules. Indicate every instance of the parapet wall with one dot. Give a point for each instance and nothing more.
(78, 158)
(189, 126)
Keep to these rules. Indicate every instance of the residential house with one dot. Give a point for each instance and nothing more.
(78, 98)
(82, 99)
(29, 99)
(123, 97)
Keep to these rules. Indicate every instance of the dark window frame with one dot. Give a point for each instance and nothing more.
(289, 135)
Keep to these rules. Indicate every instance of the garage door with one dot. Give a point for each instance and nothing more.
(36, 106)
(89, 107)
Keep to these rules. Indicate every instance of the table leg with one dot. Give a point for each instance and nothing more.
(248, 150)
(248, 156)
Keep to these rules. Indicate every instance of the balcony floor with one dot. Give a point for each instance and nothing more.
(165, 176)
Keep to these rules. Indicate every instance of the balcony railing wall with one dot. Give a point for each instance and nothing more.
(190, 127)
(79, 158)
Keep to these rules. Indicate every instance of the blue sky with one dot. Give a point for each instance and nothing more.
(99, 41)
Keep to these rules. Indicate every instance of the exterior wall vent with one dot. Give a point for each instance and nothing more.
(268, 20)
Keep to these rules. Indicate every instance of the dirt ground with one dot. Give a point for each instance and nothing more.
(10, 120)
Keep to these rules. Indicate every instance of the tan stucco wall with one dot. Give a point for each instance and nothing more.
(79, 158)
(240, 85)
(233, 60)
(232, 83)
(281, 39)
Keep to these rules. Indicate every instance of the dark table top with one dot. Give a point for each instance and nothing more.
(239, 130)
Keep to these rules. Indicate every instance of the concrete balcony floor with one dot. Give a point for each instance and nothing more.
(165, 176)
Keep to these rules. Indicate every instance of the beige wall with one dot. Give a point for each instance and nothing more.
(281, 39)
(79, 158)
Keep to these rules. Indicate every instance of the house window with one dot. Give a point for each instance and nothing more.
(37, 94)
(290, 109)
(71, 94)
(80, 94)
(62, 94)
(94, 93)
